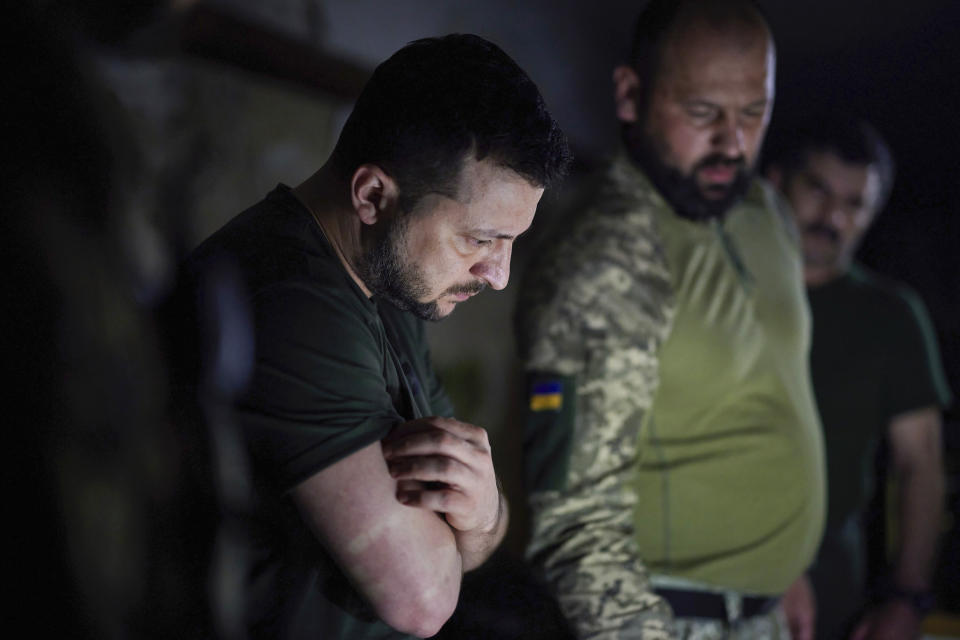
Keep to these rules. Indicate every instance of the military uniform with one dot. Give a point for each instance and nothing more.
(671, 423)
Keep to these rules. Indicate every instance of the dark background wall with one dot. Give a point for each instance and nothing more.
(217, 137)
(221, 109)
(219, 124)
(891, 62)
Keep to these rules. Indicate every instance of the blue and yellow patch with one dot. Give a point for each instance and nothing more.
(546, 396)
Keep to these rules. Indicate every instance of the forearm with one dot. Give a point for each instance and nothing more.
(403, 560)
(920, 506)
(916, 451)
(597, 331)
(583, 536)
(419, 591)
(476, 546)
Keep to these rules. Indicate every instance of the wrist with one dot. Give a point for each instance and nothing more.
(501, 509)
(921, 601)
(497, 521)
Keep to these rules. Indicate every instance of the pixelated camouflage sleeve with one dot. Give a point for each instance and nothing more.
(590, 323)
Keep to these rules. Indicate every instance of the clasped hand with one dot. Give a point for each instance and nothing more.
(445, 465)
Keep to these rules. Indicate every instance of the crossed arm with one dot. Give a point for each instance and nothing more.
(403, 518)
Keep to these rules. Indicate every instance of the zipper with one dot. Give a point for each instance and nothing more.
(746, 279)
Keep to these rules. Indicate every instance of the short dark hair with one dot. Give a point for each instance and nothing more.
(438, 99)
(658, 19)
(853, 140)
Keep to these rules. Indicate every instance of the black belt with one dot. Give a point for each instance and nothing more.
(706, 604)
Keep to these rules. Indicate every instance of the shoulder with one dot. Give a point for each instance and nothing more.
(613, 237)
(604, 276)
(893, 298)
(897, 310)
(890, 311)
(271, 241)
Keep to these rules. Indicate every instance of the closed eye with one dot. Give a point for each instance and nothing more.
(816, 185)
(701, 111)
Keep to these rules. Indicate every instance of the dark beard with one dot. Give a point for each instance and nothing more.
(389, 277)
(681, 190)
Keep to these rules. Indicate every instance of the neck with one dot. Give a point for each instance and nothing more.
(324, 194)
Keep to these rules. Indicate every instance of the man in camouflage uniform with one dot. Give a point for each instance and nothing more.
(672, 451)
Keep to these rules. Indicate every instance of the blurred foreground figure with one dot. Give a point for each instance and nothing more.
(118, 520)
(371, 499)
(876, 372)
(673, 452)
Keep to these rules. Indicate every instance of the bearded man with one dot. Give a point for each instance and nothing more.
(673, 451)
(372, 500)
(876, 376)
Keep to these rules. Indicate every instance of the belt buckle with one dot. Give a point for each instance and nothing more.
(733, 603)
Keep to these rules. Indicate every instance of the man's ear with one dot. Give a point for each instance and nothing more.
(373, 193)
(626, 90)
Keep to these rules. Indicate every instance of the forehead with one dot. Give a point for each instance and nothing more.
(700, 60)
(490, 198)
(846, 178)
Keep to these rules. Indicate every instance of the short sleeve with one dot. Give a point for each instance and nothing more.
(318, 391)
(916, 378)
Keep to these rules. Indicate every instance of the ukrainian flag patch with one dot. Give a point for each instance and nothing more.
(546, 396)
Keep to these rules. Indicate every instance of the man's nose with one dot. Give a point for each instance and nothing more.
(833, 214)
(495, 268)
(728, 137)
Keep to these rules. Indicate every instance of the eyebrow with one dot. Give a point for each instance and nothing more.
(699, 102)
(854, 201)
(815, 180)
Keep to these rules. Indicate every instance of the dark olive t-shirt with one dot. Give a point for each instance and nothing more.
(334, 371)
(873, 357)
